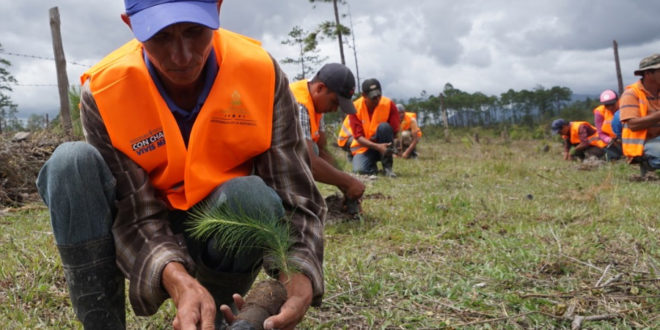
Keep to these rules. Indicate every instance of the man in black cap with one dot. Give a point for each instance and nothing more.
(332, 87)
(373, 128)
(581, 135)
(640, 114)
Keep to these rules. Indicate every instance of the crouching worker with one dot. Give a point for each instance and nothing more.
(640, 115)
(373, 128)
(331, 88)
(185, 114)
(410, 134)
(581, 136)
(604, 121)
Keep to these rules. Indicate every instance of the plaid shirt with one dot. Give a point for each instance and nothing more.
(144, 241)
(304, 122)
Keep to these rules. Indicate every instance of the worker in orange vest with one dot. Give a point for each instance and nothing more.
(640, 114)
(409, 134)
(603, 120)
(331, 88)
(581, 136)
(373, 128)
(186, 115)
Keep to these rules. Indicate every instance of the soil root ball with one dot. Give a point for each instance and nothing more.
(264, 299)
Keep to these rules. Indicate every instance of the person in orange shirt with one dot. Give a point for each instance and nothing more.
(373, 128)
(409, 135)
(603, 120)
(581, 136)
(186, 114)
(331, 88)
(640, 114)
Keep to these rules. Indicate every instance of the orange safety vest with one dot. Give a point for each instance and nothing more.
(370, 124)
(593, 140)
(345, 133)
(408, 117)
(633, 141)
(233, 126)
(607, 120)
(301, 93)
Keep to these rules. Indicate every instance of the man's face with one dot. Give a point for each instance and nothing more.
(179, 53)
(325, 100)
(401, 115)
(565, 130)
(371, 102)
(654, 75)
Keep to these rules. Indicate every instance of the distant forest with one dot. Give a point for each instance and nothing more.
(522, 108)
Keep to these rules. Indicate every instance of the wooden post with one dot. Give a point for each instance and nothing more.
(618, 67)
(339, 38)
(60, 63)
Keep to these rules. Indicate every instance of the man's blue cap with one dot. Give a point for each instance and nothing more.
(150, 16)
(557, 125)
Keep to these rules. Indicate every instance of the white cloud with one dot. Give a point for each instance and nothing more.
(487, 46)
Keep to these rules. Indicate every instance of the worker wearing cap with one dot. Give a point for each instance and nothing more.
(603, 119)
(184, 115)
(373, 128)
(409, 134)
(640, 113)
(331, 88)
(581, 136)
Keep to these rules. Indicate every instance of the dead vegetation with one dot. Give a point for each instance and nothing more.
(21, 157)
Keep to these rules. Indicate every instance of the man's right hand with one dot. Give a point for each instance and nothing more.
(384, 148)
(355, 189)
(195, 305)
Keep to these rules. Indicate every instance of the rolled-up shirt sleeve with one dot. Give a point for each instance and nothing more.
(285, 167)
(144, 242)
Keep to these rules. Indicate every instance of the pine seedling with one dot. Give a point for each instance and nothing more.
(236, 232)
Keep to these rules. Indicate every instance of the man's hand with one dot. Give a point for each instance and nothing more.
(355, 189)
(382, 148)
(194, 304)
(299, 298)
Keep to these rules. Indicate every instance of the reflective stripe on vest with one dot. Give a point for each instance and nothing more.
(380, 115)
(344, 133)
(633, 141)
(606, 127)
(233, 126)
(593, 139)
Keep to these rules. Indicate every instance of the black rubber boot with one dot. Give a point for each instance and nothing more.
(96, 285)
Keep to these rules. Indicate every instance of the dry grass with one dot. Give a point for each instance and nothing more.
(470, 235)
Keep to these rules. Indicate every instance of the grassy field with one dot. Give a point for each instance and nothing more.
(494, 234)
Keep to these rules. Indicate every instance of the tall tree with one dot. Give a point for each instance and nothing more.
(308, 57)
(335, 29)
(8, 109)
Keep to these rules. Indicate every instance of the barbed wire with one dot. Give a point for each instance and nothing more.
(41, 58)
(33, 85)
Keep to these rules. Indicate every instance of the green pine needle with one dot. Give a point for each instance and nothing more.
(236, 232)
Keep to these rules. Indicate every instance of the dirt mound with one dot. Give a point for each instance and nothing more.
(21, 157)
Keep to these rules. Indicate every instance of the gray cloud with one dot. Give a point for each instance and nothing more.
(487, 46)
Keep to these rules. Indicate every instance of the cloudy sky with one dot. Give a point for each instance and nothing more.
(410, 46)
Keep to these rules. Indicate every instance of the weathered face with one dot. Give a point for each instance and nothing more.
(565, 130)
(179, 52)
(325, 100)
(371, 102)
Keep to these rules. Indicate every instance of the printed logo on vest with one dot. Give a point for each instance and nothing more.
(148, 142)
(236, 114)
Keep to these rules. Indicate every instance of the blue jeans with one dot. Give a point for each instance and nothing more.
(367, 162)
(79, 190)
(652, 152)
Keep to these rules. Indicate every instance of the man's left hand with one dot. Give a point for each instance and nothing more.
(299, 298)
